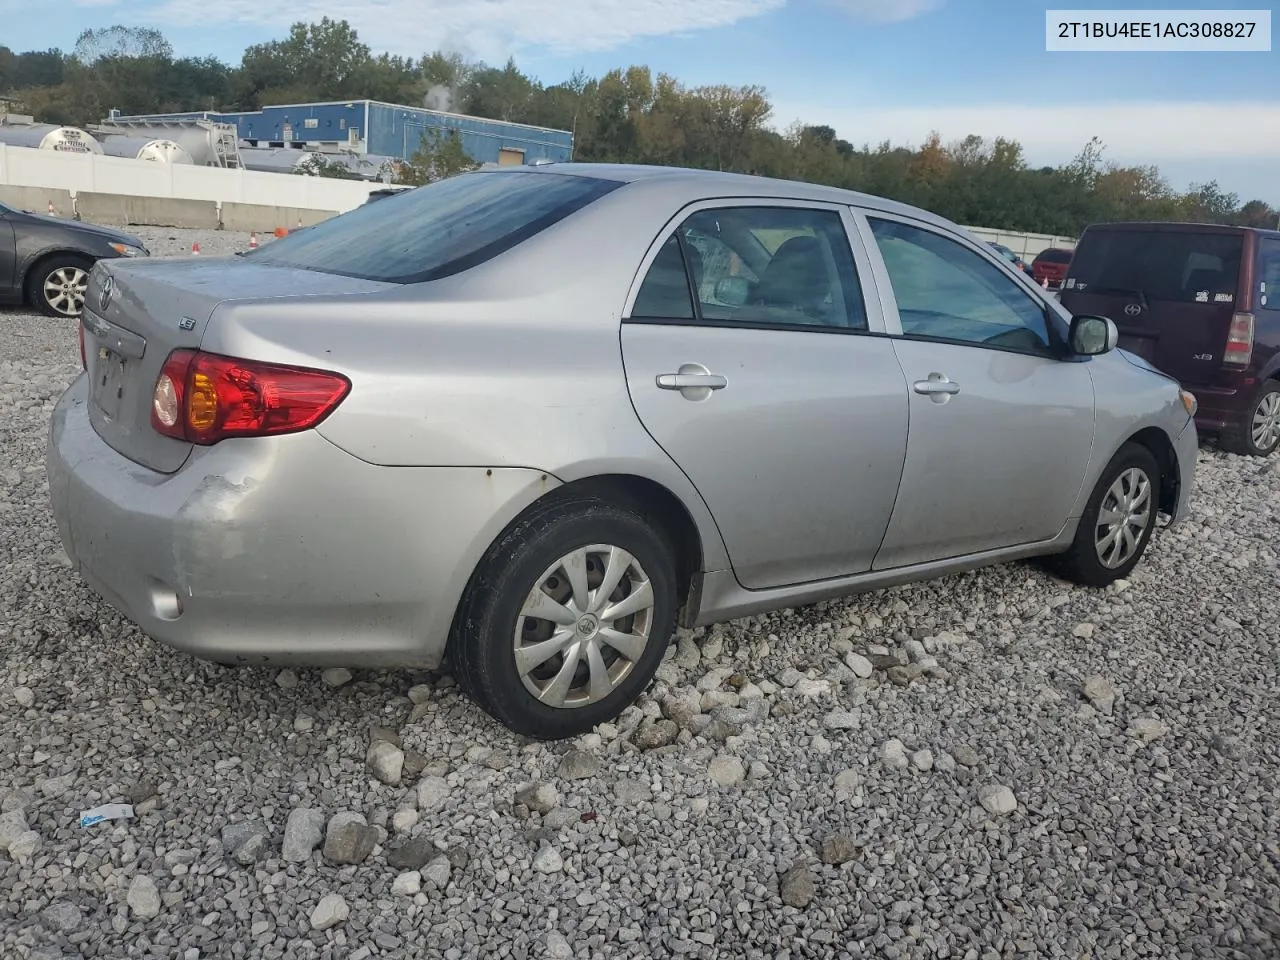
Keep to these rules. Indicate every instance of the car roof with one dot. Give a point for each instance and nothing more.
(710, 184)
(1179, 226)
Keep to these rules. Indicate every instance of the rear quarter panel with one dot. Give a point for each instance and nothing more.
(514, 363)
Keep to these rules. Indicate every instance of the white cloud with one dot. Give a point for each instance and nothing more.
(887, 11)
(1232, 142)
(493, 29)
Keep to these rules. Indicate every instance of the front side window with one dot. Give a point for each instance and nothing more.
(945, 291)
(437, 230)
(759, 266)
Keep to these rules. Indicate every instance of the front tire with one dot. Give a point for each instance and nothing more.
(566, 619)
(1259, 433)
(57, 285)
(1117, 522)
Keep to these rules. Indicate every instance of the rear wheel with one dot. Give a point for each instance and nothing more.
(57, 285)
(566, 619)
(1259, 432)
(1117, 522)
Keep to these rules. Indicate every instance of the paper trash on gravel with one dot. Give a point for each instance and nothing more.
(108, 811)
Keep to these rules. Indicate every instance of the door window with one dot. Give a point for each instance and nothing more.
(947, 292)
(1269, 275)
(759, 266)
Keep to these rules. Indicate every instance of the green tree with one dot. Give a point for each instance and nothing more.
(439, 155)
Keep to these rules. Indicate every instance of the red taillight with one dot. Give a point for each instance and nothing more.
(1239, 350)
(84, 359)
(204, 397)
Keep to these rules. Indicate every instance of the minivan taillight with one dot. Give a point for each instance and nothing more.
(1239, 350)
(204, 397)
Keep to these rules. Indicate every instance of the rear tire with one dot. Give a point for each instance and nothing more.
(551, 680)
(1259, 432)
(57, 284)
(1117, 522)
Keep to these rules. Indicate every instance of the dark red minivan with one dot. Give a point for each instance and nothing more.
(1200, 302)
(1050, 266)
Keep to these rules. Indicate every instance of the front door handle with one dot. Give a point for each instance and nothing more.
(937, 388)
(685, 381)
(693, 380)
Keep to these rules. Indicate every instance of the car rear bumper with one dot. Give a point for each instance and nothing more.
(1221, 409)
(284, 549)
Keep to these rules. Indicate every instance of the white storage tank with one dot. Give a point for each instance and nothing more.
(49, 136)
(156, 150)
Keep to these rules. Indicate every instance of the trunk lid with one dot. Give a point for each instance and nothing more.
(137, 312)
(1171, 293)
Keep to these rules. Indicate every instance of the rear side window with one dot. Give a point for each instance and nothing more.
(1054, 255)
(1269, 275)
(1177, 267)
(437, 230)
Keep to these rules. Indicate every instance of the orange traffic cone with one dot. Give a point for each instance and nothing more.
(253, 241)
(52, 212)
(281, 232)
(1045, 283)
(195, 248)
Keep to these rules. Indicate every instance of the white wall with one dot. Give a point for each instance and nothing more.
(1025, 245)
(26, 167)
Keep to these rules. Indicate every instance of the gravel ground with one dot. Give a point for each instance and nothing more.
(988, 766)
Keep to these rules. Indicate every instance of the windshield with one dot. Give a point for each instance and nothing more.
(1054, 255)
(1190, 267)
(437, 230)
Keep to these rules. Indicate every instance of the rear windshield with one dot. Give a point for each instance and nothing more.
(1054, 256)
(1158, 264)
(437, 230)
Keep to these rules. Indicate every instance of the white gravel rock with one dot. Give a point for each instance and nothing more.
(24, 697)
(143, 897)
(407, 884)
(893, 754)
(997, 799)
(331, 911)
(860, 665)
(548, 860)
(336, 677)
(726, 771)
(386, 762)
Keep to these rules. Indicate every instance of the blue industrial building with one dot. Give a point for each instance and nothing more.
(385, 129)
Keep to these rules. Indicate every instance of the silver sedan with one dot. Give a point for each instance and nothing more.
(528, 421)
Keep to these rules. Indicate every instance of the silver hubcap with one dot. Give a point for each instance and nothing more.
(1125, 512)
(1266, 422)
(64, 290)
(584, 626)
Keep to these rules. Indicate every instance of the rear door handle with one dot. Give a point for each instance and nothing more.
(937, 388)
(693, 380)
(690, 381)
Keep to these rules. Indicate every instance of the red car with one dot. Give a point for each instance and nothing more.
(1051, 265)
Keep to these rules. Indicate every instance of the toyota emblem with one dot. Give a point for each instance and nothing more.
(108, 288)
(1133, 309)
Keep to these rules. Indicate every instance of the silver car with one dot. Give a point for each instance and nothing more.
(531, 420)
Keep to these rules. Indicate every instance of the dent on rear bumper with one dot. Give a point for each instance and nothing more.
(284, 549)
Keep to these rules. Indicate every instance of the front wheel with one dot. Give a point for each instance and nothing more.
(58, 284)
(566, 619)
(1259, 434)
(1117, 522)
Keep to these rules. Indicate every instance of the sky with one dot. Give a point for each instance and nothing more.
(872, 69)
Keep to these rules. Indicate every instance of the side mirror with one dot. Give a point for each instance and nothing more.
(1091, 336)
(733, 290)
